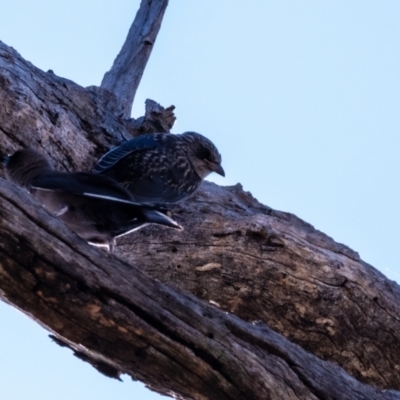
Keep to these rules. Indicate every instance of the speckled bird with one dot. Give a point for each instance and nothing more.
(94, 206)
(161, 167)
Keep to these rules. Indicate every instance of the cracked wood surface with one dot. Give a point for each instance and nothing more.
(270, 266)
(123, 321)
(261, 264)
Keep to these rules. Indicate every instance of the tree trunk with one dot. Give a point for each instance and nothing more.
(123, 321)
(259, 266)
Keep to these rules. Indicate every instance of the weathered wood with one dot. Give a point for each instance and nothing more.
(156, 119)
(261, 264)
(124, 77)
(72, 124)
(124, 321)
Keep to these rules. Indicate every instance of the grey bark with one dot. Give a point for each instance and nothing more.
(123, 321)
(124, 77)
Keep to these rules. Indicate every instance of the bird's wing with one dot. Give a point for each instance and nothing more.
(153, 189)
(158, 189)
(108, 160)
(147, 216)
(83, 184)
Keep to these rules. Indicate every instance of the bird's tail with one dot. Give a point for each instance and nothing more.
(157, 217)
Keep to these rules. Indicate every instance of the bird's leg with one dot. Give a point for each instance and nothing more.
(111, 245)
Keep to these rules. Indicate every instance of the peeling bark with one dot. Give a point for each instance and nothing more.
(262, 265)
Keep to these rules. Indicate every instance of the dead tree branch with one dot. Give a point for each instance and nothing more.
(123, 321)
(259, 263)
(255, 262)
(124, 77)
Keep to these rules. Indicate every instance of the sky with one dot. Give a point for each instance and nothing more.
(300, 97)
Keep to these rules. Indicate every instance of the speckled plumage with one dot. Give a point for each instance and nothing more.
(94, 206)
(161, 167)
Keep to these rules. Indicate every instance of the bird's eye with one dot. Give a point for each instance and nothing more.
(206, 155)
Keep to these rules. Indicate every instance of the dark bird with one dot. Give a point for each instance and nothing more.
(94, 206)
(161, 167)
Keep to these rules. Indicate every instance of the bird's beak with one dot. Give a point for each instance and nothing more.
(218, 169)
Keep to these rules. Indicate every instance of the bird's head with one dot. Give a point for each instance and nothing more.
(203, 154)
(25, 165)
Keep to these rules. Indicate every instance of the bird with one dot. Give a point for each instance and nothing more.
(161, 168)
(94, 206)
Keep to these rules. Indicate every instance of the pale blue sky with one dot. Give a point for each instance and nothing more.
(301, 98)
